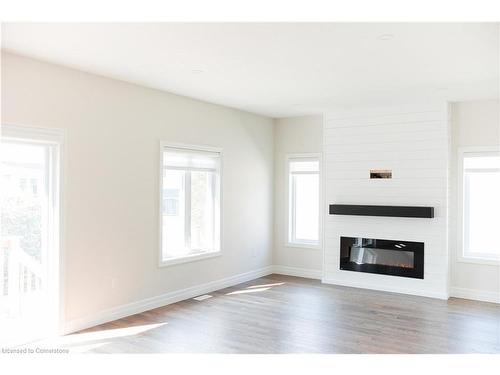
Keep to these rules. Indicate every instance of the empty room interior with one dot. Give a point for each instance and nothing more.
(251, 188)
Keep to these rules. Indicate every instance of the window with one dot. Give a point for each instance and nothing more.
(481, 204)
(190, 209)
(34, 186)
(303, 201)
(29, 240)
(171, 202)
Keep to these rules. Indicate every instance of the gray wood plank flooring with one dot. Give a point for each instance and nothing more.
(283, 314)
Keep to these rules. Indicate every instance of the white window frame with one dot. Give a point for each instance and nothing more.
(55, 139)
(289, 217)
(462, 255)
(196, 256)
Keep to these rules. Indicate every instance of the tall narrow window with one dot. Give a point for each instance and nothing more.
(29, 240)
(481, 204)
(303, 188)
(190, 203)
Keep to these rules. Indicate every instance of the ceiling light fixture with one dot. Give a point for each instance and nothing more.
(385, 37)
(197, 71)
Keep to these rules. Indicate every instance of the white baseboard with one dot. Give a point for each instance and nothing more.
(122, 311)
(475, 294)
(299, 272)
(392, 289)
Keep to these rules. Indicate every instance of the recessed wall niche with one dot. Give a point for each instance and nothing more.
(380, 173)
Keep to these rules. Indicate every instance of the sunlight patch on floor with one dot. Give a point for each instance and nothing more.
(247, 291)
(255, 288)
(265, 285)
(82, 342)
(203, 297)
(88, 347)
(111, 333)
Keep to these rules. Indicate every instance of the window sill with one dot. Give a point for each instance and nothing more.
(189, 258)
(486, 261)
(303, 245)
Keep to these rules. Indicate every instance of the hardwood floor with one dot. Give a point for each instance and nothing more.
(283, 314)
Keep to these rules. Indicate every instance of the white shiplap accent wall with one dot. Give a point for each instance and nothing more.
(413, 142)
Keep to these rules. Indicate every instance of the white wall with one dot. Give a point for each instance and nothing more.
(413, 142)
(474, 123)
(297, 135)
(111, 191)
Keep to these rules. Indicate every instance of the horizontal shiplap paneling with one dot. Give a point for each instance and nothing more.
(383, 135)
(411, 119)
(377, 163)
(414, 145)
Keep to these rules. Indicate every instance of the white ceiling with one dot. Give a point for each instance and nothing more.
(279, 69)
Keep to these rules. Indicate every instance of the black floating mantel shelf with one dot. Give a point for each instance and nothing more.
(394, 211)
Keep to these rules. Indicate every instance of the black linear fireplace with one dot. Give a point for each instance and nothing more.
(388, 257)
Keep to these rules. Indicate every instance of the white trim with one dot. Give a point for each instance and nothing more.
(190, 169)
(146, 304)
(287, 240)
(460, 255)
(132, 308)
(473, 260)
(299, 272)
(393, 289)
(56, 139)
(475, 294)
(477, 149)
(191, 147)
(187, 213)
(217, 220)
(47, 135)
(300, 245)
(62, 229)
(190, 258)
(324, 212)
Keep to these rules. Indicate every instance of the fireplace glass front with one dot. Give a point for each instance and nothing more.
(388, 257)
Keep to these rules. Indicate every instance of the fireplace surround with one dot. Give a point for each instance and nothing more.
(380, 256)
